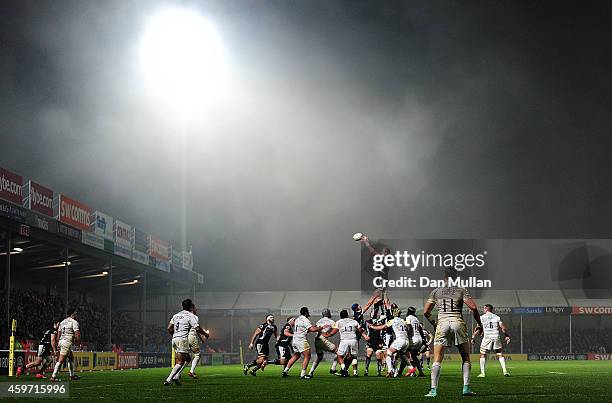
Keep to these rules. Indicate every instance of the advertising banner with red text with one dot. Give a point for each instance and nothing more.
(71, 212)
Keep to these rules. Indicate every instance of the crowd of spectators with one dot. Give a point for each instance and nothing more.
(34, 312)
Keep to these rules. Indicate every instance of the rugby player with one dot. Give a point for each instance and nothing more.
(261, 339)
(322, 344)
(179, 327)
(399, 346)
(374, 347)
(491, 323)
(416, 336)
(69, 333)
(349, 329)
(47, 349)
(194, 346)
(450, 328)
(425, 350)
(283, 344)
(301, 328)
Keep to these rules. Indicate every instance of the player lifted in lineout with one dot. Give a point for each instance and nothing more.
(69, 334)
(301, 328)
(261, 339)
(194, 346)
(179, 327)
(451, 329)
(491, 323)
(47, 349)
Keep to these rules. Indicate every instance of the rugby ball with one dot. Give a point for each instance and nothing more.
(357, 236)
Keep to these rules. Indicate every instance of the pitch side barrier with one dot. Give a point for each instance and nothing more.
(109, 361)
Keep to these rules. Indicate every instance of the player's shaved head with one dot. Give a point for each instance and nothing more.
(450, 272)
(188, 304)
(344, 314)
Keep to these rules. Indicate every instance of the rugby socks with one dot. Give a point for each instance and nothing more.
(314, 366)
(502, 362)
(195, 362)
(379, 366)
(367, 363)
(483, 364)
(252, 364)
(173, 372)
(70, 368)
(56, 369)
(334, 364)
(182, 367)
(389, 364)
(467, 366)
(435, 374)
(302, 373)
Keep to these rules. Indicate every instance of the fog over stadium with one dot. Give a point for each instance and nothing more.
(409, 120)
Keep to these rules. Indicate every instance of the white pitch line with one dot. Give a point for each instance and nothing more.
(97, 386)
(558, 373)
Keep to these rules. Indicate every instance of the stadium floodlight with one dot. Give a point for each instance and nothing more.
(182, 58)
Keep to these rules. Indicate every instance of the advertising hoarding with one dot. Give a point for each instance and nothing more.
(102, 224)
(38, 198)
(12, 211)
(11, 186)
(140, 257)
(123, 239)
(71, 212)
(187, 261)
(139, 240)
(93, 239)
(68, 232)
(592, 310)
(158, 248)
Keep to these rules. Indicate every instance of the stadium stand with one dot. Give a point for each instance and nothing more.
(541, 298)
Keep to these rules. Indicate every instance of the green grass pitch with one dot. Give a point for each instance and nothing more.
(576, 381)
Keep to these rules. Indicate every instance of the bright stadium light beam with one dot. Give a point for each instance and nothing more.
(182, 59)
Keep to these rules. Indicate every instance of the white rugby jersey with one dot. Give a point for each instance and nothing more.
(400, 328)
(413, 330)
(68, 327)
(449, 301)
(490, 324)
(326, 323)
(301, 326)
(347, 328)
(183, 322)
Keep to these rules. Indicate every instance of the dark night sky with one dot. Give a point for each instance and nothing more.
(399, 119)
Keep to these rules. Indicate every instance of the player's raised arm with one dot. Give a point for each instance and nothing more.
(504, 329)
(170, 328)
